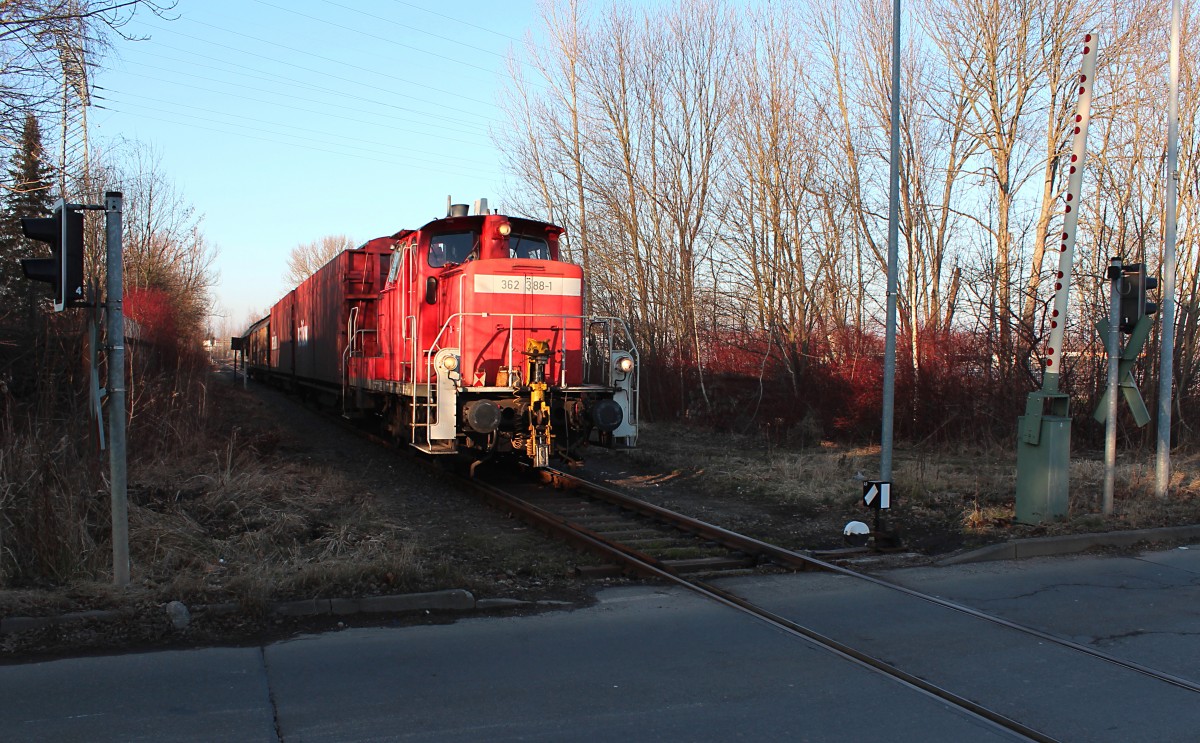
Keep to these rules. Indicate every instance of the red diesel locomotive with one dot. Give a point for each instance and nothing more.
(465, 334)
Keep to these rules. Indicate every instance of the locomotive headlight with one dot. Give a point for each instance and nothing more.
(449, 363)
(625, 364)
(504, 229)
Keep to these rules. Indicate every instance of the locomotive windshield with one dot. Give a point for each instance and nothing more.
(522, 246)
(454, 247)
(460, 247)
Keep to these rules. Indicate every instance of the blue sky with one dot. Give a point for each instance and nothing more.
(286, 120)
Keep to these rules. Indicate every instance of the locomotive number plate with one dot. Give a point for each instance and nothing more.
(553, 285)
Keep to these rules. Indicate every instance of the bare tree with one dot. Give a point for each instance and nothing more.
(307, 257)
(48, 46)
(726, 171)
(692, 54)
(164, 246)
(568, 34)
(991, 47)
(774, 245)
(1187, 365)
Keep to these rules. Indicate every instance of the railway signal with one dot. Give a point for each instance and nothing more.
(64, 269)
(1133, 311)
(63, 232)
(1133, 285)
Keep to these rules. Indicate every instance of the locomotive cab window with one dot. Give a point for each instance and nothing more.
(454, 247)
(535, 248)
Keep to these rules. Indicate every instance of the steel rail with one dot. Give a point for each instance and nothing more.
(703, 528)
(649, 566)
(790, 558)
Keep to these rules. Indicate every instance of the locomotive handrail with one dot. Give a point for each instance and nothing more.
(458, 316)
(454, 322)
(347, 353)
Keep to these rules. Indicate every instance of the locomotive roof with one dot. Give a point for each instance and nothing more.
(476, 220)
(472, 221)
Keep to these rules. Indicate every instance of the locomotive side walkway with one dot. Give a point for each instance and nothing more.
(654, 663)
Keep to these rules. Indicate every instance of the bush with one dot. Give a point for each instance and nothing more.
(55, 524)
(50, 512)
(214, 512)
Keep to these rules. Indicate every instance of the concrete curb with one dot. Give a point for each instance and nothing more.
(454, 599)
(21, 624)
(461, 600)
(1071, 543)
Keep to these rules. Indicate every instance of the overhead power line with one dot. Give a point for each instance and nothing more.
(375, 158)
(373, 71)
(444, 122)
(447, 17)
(385, 38)
(340, 136)
(261, 74)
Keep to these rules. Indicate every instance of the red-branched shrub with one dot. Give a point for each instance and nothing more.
(155, 319)
(832, 382)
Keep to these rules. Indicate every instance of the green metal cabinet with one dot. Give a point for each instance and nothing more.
(1043, 468)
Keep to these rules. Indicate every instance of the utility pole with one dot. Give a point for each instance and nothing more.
(889, 353)
(116, 389)
(1113, 343)
(1166, 366)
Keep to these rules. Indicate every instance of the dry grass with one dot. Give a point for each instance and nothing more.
(748, 466)
(235, 522)
(215, 513)
(49, 512)
(966, 495)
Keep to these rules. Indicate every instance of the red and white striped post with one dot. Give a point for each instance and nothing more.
(1062, 278)
(1044, 432)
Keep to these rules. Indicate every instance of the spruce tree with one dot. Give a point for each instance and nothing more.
(28, 193)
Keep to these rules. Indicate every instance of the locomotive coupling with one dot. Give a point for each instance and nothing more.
(540, 436)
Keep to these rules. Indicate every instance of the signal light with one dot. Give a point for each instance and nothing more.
(64, 271)
(1133, 287)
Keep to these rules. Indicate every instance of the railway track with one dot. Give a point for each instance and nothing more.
(647, 540)
(641, 538)
(655, 542)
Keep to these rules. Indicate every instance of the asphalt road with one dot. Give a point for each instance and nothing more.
(651, 663)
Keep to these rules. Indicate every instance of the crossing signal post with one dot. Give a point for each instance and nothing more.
(63, 232)
(1131, 314)
(113, 206)
(1133, 286)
